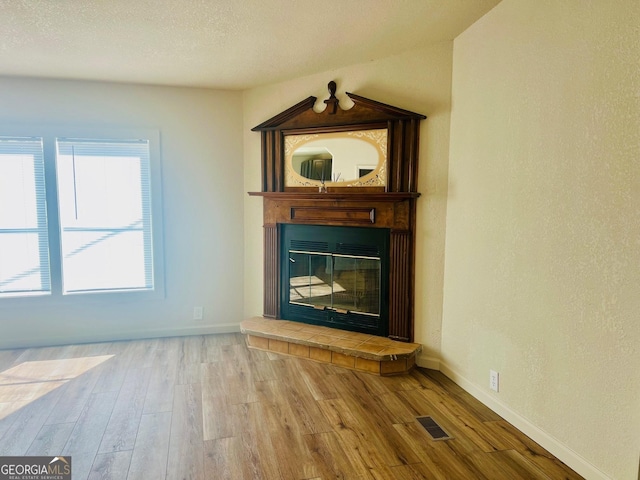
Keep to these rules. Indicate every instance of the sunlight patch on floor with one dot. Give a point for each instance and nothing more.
(25, 383)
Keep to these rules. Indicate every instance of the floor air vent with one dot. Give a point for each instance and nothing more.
(433, 429)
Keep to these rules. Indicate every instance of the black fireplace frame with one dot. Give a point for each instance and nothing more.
(341, 240)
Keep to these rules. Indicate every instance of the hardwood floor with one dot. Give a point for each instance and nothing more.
(207, 407)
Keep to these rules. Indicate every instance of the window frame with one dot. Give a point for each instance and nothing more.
(50, 134)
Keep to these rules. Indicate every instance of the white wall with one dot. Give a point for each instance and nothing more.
(543, 225)
(201, 142)
(419, 81)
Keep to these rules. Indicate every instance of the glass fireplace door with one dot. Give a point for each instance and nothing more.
(343, 283)
(310, 279)
(359, 282)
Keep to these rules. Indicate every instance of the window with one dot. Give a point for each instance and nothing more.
(24, 244)
(105, 215)
(98, 233)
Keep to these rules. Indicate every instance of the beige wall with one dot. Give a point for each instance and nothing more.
(419, 81)
(201, 142)
(543, 225)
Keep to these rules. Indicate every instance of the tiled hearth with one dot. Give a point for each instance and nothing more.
(358, 351)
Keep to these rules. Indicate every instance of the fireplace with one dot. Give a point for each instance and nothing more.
(335, 276)
(339, 250)
(372, 226)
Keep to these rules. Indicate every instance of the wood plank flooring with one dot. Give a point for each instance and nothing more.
(207, 407)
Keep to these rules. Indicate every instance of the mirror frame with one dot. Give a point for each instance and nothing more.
(403, 132)
(376, 141)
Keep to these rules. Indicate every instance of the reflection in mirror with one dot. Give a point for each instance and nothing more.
(314, 163)
(353, 158)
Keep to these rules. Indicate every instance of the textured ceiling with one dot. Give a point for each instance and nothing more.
(233, 44)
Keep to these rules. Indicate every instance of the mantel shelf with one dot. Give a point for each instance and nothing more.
(333, 196)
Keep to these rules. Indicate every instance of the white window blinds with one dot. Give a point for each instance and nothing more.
(104, 203)
(24, 244)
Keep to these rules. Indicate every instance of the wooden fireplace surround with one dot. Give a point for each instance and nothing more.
(392, 206)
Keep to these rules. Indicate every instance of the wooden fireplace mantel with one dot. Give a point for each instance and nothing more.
(395, 211)
(384, 210)
(391, 205)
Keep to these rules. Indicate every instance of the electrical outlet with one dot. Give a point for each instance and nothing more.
(494, 380)
(198, 313)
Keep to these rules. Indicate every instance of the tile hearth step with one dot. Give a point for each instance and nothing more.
(358, 351)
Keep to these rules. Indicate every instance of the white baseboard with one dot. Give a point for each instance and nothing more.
(559, 450)
(424, 361)
(118, 336)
